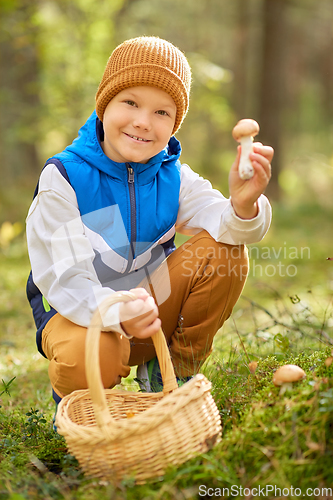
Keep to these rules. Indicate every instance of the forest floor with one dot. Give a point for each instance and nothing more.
(274, 444)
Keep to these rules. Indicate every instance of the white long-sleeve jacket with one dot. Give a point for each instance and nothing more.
(77, 292)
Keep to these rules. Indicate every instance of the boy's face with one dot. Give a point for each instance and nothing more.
(138, 124)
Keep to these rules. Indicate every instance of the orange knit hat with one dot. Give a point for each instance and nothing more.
(148, 61)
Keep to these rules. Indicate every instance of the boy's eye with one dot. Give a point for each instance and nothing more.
(130, 103)
(162, 112)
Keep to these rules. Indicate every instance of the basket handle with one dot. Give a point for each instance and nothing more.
(93, 374)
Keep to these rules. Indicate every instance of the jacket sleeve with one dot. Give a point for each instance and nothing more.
(202, 207)
(61, 255)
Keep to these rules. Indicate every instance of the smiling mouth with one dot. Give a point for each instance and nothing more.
(137, 138)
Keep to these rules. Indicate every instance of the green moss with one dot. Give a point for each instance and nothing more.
(269, 438)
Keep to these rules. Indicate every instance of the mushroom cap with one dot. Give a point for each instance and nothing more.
(288, 373)
(245, 127)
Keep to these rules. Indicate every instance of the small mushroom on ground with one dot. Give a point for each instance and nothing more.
(243, 133)
(253, 366)
(287, 374)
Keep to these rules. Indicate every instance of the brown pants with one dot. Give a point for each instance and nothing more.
(206, 281)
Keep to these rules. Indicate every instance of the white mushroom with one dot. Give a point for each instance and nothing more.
(287, 374)
(243, 133)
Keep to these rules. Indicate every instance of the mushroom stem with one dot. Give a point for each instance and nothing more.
(245, 168)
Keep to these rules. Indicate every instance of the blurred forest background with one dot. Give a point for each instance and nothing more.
(271, 60)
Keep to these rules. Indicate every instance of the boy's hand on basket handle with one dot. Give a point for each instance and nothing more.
(139, 317)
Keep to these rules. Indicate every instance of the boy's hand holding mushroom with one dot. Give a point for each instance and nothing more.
(251, 172)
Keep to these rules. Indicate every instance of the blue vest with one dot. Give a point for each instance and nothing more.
(125, 203)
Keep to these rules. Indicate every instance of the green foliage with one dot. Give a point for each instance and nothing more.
(54, 54)
(6, 386)
(33, 423)
(269, 437)
(279, 439)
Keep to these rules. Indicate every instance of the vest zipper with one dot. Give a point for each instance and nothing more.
(131, 188)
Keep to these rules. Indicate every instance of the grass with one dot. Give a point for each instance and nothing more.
(270, 439)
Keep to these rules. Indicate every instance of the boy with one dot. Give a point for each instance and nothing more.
(104, 218)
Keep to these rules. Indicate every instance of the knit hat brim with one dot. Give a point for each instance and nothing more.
(140, 75)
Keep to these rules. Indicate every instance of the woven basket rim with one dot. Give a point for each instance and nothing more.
(173, 402)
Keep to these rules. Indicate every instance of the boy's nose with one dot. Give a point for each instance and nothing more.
(142, 121)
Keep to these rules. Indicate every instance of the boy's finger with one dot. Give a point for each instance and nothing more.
(143, 332)
(150, 329)
(141, 293)
(266, 151)
(261, 164)
(234, 166)
(138, 309)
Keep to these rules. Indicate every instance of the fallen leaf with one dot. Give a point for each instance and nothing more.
(313, 446)
(328, 361)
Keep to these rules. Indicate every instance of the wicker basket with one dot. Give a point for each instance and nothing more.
(115, 433)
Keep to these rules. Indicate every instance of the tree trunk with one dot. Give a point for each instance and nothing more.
(241, 59)
(19, 96)
(272, 88)
(326, 67)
